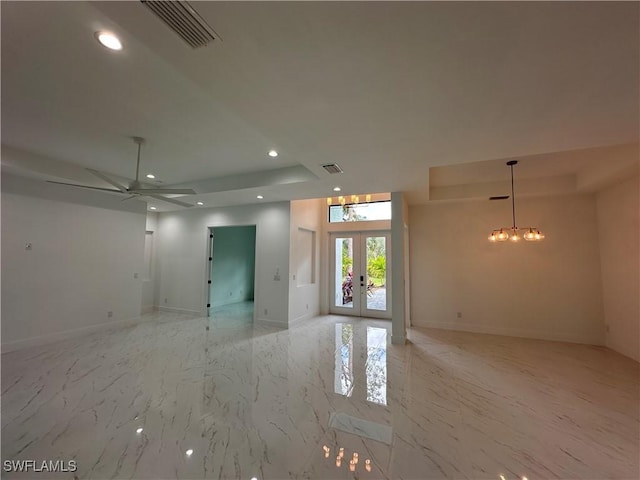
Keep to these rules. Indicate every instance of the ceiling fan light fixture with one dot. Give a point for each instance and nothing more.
(135, 189)
(109, 40)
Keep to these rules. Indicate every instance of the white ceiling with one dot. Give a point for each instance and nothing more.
(386, 89)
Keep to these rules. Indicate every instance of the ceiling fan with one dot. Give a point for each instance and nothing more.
(135, 188)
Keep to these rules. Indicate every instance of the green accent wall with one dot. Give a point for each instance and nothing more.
(233, 265)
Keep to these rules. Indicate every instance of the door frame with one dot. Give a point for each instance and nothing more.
(358, 237)
(209, 259)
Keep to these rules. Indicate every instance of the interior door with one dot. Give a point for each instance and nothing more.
(360, 274)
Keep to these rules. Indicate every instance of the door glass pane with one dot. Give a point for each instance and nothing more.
(344, 273)
(376, 273)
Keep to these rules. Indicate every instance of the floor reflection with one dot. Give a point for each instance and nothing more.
(375, 366)
(343, 382)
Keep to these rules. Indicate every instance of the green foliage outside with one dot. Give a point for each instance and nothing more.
(377, 270)
(376, 260)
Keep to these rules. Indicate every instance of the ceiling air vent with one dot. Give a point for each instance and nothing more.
(499, 197)
(332, 168)
(184, 20)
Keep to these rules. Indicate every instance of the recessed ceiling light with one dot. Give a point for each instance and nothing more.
(273, 153)
(259, 197)
(109, 40)
(152, 208)
(199, 203)
(150, 175)
(139, 430)
(189, 452)
(336, 189)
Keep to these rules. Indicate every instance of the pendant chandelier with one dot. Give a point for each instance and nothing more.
(531, 234)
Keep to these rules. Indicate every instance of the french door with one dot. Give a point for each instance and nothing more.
(360, 274)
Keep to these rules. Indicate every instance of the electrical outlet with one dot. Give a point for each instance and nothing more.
(231, 294)
(109, 314)
(607, 328)
(165, 300)
(307, 306)
(265, 311)
(459, 314)
(135, 275)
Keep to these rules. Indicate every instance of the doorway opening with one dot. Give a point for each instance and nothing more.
(231, 283)
(361, 274)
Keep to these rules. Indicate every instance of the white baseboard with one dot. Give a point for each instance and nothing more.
(271, 323)
(305, 316)
(148, 309)
(510, 332)
(67, 334)
(197, 313)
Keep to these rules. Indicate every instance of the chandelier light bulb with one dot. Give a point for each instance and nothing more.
(515, 237)
(338, 461)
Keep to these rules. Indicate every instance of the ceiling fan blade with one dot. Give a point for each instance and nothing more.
(170, 200)
(163, 191)
(129, 198)
(86, 186)
(101, 175)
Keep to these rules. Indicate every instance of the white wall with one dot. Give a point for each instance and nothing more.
(148, 282)
(80, 266)
(399, 221)
(181, 257)
(548, 290)
(619, 227)
(306, 223)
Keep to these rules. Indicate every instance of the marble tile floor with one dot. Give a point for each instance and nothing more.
(182, 397)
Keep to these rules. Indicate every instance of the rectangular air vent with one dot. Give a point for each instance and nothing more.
(184, 20)
(499, 197)
(332, 168)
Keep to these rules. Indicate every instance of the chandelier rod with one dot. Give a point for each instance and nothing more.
(511, 163)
